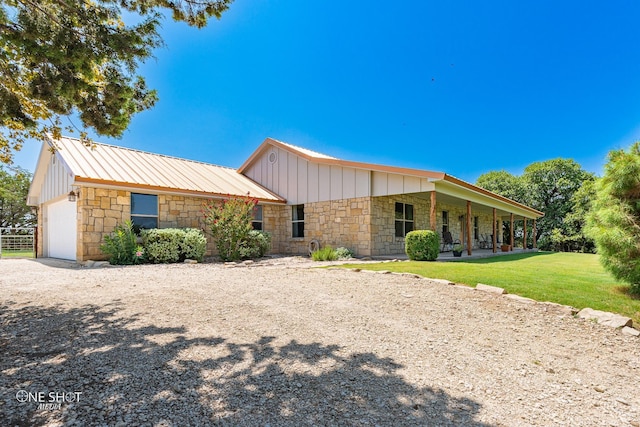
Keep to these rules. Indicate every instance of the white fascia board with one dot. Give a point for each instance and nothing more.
(466, 194)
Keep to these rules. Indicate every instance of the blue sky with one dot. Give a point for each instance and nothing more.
(462, 87)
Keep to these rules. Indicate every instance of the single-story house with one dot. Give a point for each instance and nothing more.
(304, 198)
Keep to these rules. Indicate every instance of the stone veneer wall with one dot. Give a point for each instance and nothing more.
(345, 222)
(337, 223)
(100, 210)
(383, 225)
(365, 225)
(383, 229)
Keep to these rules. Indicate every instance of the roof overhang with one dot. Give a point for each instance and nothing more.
(100, 183)
(463, 190)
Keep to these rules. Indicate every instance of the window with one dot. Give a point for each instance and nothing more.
(257, 217)
(476, 232)
(404, 219)
(144, 210)
(297, 216)
(445, 221)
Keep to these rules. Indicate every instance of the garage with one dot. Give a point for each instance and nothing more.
(61, 229)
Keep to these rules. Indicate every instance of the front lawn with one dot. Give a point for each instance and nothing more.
(17, 254)
(572, 279)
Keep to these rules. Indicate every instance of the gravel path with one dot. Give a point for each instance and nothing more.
(278, 343)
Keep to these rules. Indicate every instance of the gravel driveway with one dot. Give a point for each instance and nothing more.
(279, 343)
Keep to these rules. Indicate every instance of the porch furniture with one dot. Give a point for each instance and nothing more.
(447, 242)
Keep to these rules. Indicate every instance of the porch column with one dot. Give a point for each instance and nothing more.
(432, 212)
(468, 227)
(535, 232)
(494, 243)
(524, 234)
(511, 232)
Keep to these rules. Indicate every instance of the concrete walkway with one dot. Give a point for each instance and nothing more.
(448, 256)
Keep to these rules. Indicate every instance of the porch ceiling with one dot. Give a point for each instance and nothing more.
(476, 207)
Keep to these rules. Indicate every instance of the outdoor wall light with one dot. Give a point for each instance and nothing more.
(74, 194)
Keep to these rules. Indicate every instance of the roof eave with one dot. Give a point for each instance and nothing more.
(488, 193)
(146, 187)
(337, 162)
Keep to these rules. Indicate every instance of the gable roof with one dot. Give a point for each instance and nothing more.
(105, 164)
(445, 180)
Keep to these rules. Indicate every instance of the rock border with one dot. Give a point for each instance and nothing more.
(605, 318)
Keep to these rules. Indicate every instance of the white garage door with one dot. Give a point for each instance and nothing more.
(62, 229)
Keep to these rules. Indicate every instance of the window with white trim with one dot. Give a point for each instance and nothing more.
(297, 221)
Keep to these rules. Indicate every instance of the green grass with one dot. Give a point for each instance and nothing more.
(572, 279)
(17, 254)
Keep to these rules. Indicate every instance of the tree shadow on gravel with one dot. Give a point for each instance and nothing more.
(129, 374)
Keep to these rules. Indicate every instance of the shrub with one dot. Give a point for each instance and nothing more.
(162, 245)
(193, 245)
(230, 224)
(422, 245)
(344, 253)
(325, 254)
(122, 246)
(256, 245)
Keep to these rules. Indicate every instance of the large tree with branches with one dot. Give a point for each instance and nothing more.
(65, 57)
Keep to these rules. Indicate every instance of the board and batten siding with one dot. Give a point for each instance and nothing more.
(57, 181)
(388, 184)
(301, 181)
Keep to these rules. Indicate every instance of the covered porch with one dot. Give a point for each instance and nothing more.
(480, 221)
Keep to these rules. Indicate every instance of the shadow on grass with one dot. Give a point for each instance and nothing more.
(503, 258)
(152, 375)
(626, 290)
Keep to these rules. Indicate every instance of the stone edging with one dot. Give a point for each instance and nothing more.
(616, 321)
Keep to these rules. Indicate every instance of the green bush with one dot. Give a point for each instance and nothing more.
(422, 245)
(344, 253)
(162, 245)
(122, 246)
(325, 254)
(165, 245)
(193, 245)
(255, 245)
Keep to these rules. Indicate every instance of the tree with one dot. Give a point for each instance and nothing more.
(614, 220)
(60, 57)
(549, 187)
(503, 183)
(507, 185)
(14, 187)
(575, 237)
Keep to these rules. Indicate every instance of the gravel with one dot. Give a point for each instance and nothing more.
(277, 342)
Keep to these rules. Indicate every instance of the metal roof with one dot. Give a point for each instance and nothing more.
(441, 177)
(120, 166)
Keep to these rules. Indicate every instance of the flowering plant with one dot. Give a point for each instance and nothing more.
(230, 223)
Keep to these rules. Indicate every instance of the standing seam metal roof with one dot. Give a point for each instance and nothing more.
(128, 167)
